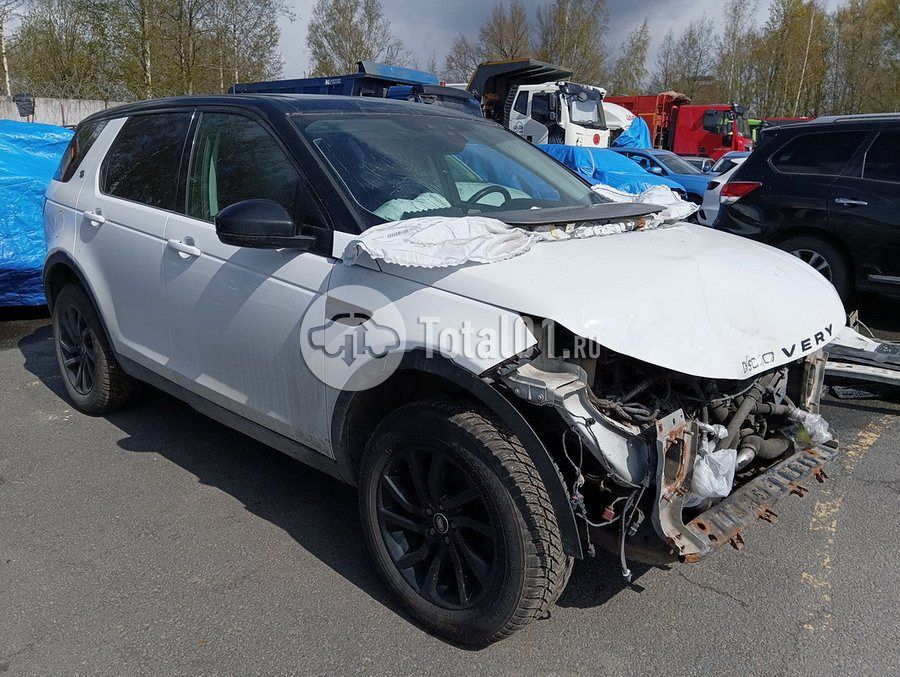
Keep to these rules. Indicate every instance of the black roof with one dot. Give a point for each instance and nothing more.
(284, 104)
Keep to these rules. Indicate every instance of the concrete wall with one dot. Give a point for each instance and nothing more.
(55, 111)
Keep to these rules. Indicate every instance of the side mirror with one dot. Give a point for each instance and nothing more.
(261, 224)
(726, 139)
(653, 169)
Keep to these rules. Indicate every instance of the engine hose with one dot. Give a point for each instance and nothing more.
(771, 409)
(751, 397)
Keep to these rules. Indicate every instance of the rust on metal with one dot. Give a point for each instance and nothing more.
(768, 516)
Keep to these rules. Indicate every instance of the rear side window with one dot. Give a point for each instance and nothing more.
(142, 164)
(818, 153)
(80, 144)
(236, 159)
(883, 158)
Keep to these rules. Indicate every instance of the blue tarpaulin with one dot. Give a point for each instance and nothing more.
(601, 165)
(636, 136)
(29, 156)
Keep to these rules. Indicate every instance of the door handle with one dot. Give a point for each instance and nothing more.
(95, 218)
(185, 248)
(852, 203)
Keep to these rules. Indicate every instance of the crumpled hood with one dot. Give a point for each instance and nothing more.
(686, 297)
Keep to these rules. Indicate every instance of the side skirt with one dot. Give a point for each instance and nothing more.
(228, 418)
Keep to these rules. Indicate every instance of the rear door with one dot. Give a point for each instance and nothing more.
(121, 217)
(234, 313)
(864, 210)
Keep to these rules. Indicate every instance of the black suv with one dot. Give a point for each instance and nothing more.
(827, 191)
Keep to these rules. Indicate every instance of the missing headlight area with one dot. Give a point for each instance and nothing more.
(662, 465)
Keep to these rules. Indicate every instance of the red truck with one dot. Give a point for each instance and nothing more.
(689, 129)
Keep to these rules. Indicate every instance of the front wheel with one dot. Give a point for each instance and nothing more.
(459, 523)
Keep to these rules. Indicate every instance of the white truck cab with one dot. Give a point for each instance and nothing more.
(561, 112)
(537, 101)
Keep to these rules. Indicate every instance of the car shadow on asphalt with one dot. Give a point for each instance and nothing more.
(316, 510)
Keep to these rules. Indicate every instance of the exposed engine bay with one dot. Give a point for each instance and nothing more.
(652, 457)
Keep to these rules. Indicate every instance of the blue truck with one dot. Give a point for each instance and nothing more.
(372, 79)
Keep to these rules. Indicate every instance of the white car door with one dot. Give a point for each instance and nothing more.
(120, 222)
(234, 313)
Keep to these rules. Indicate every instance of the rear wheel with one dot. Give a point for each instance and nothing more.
(91, 376)
(824, 257)
(459, 523)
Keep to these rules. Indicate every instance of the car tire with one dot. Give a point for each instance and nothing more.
(90, 373)
(824, 257)
(476, 571)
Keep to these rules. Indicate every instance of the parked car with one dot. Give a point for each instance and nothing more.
(701, 162)
(498, 418)
(726, 166)
(666, 164)
(828, 191)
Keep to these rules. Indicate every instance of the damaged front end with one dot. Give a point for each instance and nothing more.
(664, 466)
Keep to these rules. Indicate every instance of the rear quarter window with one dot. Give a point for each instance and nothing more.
(883, 158)
(818, 152)
(143, 162)
(80, 144)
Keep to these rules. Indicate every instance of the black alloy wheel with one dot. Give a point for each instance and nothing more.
(437, 527)
(78, 346)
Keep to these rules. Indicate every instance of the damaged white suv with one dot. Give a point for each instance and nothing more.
(531, 390)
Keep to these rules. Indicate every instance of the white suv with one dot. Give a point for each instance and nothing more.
(499, 419)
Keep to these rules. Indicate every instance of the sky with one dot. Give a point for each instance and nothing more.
(428, 26)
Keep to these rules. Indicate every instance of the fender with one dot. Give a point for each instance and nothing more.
(62, 258)
(494, 400)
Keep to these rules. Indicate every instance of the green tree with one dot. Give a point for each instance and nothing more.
(629, 71)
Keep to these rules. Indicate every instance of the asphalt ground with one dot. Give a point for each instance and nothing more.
(157, 541)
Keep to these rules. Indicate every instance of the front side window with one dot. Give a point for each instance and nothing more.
(540, 108)
(236, 159)
(396, 167)
(80, 144)
(142, 164)
(882, 163)
(818, 153)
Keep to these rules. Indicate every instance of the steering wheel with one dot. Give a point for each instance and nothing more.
(487, 190)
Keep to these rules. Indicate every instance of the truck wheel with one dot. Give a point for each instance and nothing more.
(459, 523)
(822, 256)
(92, 377)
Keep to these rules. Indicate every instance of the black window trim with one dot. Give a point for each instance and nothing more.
(867, 146)
(809, 132)
(101, 176)
(264, 123)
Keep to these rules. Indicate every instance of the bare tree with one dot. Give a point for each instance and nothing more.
(664, 68)
(571, 33)
(8, 10)
(462, 58)
(506, 33)
(342, 32)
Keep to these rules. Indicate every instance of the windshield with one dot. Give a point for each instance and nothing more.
(726, 163)
(588, 113)
(459, 103)
(743, 126)
(677, 165)
(399, 166)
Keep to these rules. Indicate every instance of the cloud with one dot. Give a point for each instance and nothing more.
(428, 26)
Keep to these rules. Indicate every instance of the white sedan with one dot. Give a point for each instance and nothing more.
(723, 169)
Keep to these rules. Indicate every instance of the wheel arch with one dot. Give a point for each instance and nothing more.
(825, 236)
(356, 415)
(60, 269)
